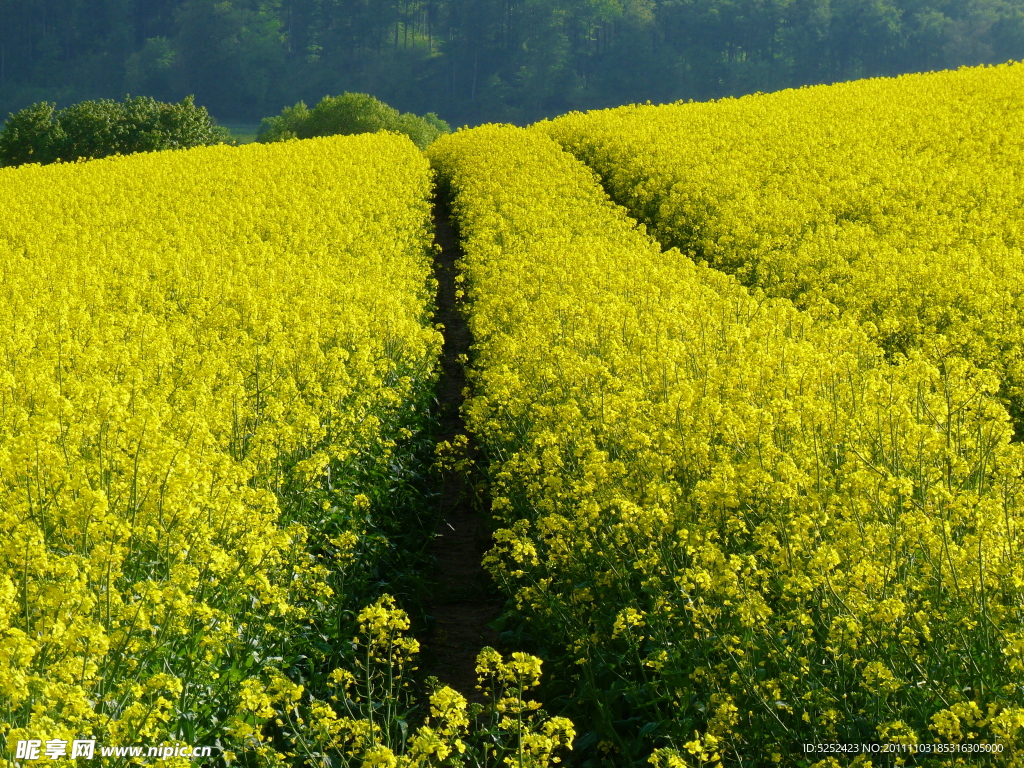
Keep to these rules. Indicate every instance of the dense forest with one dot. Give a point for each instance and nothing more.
(478, 60)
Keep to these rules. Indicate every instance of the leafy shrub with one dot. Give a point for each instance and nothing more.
(347, 114)
(43, 134)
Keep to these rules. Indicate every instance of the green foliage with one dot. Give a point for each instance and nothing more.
(481, 61)
(350, 113)
(284, 126)
(149, 69)
(43, 134)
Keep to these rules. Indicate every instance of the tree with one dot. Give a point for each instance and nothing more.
(479, 60)
(350, 113)
(42, 134)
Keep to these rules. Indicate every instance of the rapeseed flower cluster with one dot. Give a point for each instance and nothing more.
(211, 360)
(738, 528)
(897, 201)
(367, 720)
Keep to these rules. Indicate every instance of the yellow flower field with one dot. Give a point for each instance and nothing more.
(736, 529)
(753, 470)
(898, 201)
(211, 362)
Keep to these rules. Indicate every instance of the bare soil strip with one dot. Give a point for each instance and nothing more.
(464, 599)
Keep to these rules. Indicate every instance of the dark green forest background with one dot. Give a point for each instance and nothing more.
(478, 60)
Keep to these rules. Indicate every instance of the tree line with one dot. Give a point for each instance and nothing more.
(472, 61)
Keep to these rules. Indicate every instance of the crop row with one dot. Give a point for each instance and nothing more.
(899, 202)
(734, 528)
(212, 368)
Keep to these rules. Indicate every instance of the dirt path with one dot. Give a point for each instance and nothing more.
(464, 599)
